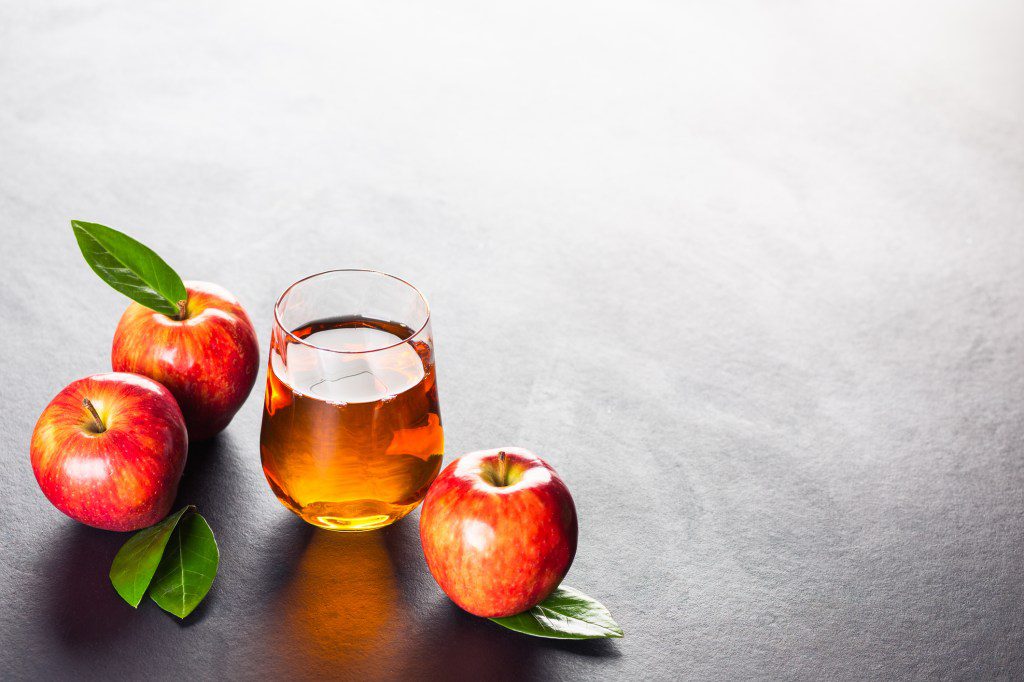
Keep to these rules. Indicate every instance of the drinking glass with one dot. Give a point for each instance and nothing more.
(351, 436)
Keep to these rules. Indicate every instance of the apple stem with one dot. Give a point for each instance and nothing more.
(100, 427)
(502, 470)
(182, 309)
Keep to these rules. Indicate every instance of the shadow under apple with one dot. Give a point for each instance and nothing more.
(82, 609)
(446, 639)
(208, 476)
(481, 649)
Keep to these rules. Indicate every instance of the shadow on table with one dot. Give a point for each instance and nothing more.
(477, 648)
(334, 601)
(211, 480)
(454, 643)
(364, 605)
(329, 603)
(212, 483)
(81, 606)
(358, 604)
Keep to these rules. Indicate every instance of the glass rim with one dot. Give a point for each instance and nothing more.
(288, 332)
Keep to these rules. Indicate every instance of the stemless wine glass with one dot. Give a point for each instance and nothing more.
(351, 436)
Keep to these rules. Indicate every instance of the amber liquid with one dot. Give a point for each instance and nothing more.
(351, 441)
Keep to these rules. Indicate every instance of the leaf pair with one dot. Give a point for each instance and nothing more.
(566, 614)
(131, 268)
(176, 561)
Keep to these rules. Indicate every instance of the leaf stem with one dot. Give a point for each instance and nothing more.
(97, 422)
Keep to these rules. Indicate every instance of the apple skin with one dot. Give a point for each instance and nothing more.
(208, 361)
(124, 478)
(498, 551)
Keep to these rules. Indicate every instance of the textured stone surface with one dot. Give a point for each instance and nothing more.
(750, 275)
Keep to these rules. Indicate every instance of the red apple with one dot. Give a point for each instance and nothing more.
(498, 529)
(109, 451)
(208, 359)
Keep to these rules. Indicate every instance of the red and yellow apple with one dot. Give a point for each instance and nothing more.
(499, 530)
(109, 451)
(208, 358)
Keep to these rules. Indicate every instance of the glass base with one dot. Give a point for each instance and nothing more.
(351, 517)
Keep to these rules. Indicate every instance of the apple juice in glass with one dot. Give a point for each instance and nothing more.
(351, 436)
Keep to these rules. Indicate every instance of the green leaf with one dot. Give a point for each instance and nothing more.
(130, 267)
(188, 567)
(566, 614)
(136, 561)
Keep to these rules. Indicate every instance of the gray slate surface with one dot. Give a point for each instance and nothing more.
(749, 274)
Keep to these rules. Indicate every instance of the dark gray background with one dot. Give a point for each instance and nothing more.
(750, 275)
